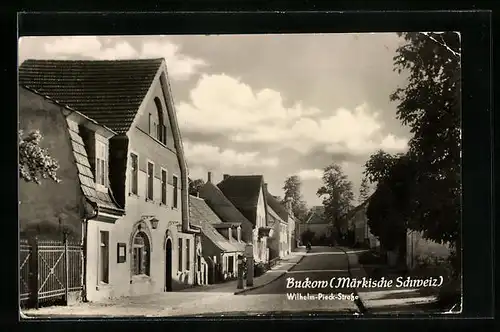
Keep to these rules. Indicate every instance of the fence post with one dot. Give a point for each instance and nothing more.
(66, 268)
(33, 272)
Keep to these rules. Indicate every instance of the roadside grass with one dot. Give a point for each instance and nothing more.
(372, 257)
(450, 292)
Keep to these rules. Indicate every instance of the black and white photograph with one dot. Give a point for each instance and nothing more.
(239, 174)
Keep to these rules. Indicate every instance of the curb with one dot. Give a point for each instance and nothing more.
(358, 302)
(267, 283)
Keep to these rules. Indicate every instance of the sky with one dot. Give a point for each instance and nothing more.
(275, 105)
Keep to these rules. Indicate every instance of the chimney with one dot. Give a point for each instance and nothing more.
(209, 177)
(225, 176)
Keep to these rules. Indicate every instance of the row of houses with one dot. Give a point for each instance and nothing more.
(124, 197)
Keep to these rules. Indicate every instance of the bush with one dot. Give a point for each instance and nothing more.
(430, 265)
(259, 269)
(450, 294)
(372, 257)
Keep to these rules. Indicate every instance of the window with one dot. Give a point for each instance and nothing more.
(188, 255)
(141, 256)
(151, 176)
(230, 268)
(104, 257)
(134, 169)
(175, 181)
(164, 186)
(150, 124)
(101, 169)
(161, 130)
(180, 255)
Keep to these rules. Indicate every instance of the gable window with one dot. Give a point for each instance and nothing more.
(175, 184)
(164, 187)
(151, 176)
(180, 256)
(150, 124)
(101, 169)
(141, 255)
(134, 170)
(161, 130)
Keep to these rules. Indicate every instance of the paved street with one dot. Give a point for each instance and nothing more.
(316, 271)
(320, 263)
(303, 282)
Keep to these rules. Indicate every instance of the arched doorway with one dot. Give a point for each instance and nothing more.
(168, 266)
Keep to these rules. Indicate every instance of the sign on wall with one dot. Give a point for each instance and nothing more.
(249, 250)
(121, 252)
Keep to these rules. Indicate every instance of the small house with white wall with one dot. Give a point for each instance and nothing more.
(220, 247)
(151, 247)
(247, 194)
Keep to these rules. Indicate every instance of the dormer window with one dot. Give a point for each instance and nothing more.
(101, 164)
(238, 234)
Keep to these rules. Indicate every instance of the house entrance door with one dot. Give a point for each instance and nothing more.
(168, 266)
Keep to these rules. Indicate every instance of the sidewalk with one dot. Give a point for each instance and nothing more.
(375, 299)
(274, 273)
(165, 304)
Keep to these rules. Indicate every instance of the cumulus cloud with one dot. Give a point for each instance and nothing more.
(220, 103)
(310, 174)
(213, 157)
(180, 66)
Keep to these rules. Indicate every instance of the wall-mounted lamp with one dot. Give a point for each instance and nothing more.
(154, 223)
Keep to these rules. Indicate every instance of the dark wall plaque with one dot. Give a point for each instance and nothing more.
(121, 250)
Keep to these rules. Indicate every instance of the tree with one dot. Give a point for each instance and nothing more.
(195, 186)
(430, 105)
(364, 190)
(35, 162)
(391, 205)
(337, 195)
(292, 188)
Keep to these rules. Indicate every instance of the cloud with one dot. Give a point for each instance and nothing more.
(213, 157)
(220, 103)
(180, 66)
(310, 174)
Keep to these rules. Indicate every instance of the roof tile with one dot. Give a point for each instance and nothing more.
(108, 91)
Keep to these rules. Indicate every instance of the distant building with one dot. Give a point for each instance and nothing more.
(247, 194)
(357, 222)
(316, 223)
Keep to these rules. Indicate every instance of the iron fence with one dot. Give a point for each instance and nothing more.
(49, 270)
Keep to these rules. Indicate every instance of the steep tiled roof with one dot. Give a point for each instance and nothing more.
(108, 91)
(200, 214)
(317, 216)
(274, 216)
(277, 206)
(217, 239)
(103, 199)
(242, 190)
(226, 211)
